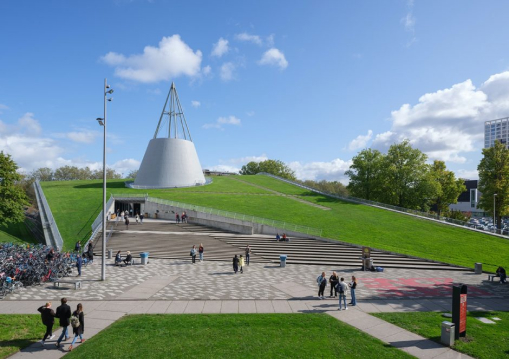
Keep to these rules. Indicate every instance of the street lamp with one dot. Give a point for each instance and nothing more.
(494, 216)
(102, 122)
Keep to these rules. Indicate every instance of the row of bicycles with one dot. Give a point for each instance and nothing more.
(28, 265)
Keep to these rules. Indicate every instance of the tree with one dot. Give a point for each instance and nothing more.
(333, 187)
(407, 182)
(42, 174)
(12, 197)
(275, 167)
(366, 175)
(132, 174)
(448, 188)
(494, 180)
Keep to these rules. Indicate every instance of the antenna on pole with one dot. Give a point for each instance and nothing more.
(173, 116)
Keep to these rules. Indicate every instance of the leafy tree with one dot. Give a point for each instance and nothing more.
(333, 187)
(12, 197)
(275, 167)
(407, 181)
(448, 188)
(42, 174)
(366, 174)
(494, 179)
(132, 174)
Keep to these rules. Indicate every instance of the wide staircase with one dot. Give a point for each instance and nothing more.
(168, 240)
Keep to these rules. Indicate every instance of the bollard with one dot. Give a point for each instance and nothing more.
(478, 268)
(110, 253)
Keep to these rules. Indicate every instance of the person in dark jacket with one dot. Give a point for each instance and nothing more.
(502, 274)
(64, 315)
(79, 263)
(128, 258)
(79, 330)
(90, 253)
(48, 318)
(235, 264)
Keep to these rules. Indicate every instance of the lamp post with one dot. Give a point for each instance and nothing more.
(494, 216)
(102, 122)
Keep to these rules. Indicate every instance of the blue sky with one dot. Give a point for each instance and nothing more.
(308, 83)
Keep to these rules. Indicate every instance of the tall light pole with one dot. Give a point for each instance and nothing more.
(102, 122)
(494, 216)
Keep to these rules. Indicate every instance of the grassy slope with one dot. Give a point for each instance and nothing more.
(233, 336)
(16, 233)
(483, 340)
(18, 331)
(75, 205)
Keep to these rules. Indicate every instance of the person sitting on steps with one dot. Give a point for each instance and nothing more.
(128, 259)
(118, 259)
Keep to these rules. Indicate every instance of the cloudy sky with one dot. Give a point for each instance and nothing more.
(308, 83)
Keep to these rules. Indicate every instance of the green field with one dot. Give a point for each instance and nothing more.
(16, 233)
(75, 205)
(484, 341)
(233, 336)
(18, 331)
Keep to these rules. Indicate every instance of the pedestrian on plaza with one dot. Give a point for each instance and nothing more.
(322, 282)
(235, 264)
(122, 215)
(79, 263)
(248, 254)
(200, 252)
(78, 325)
(90, 253)
(48, 318)
(342, 289)
(118, 258)
(137, 218)
(241, 263)
(502, 274)
(64, 315)
(126, 223)
(353, 285)
(177, 218)
(193, 254)
(141, 218)
(128, 258)
(77, 246)
(333, 280)
(184, 217)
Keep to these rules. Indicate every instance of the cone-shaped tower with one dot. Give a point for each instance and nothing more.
(170, 161)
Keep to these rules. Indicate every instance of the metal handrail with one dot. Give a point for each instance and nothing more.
(56, 238)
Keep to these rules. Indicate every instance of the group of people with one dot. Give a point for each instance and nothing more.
(179, 218)
(66, 318)
(195, 251)
(127, 260)
(339, 287)
(283, 238)
(241, 261)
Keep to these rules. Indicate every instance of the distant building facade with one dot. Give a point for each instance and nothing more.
(496, 130)
(469, 200)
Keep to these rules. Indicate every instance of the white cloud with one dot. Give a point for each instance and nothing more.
(244, 160)
(172, 58)
(448, 123)
(29, 125)
(255, 39)
(250, 113)
(467, 174)
(230, 120)
(195, 103)
(220, 48)
(270, 40)
(81, 136)
(316, 171)
(224, 168)
(409, 22)
(126, 165)
(274, 57)
(206, 70)
(227, 70)
(360, 141)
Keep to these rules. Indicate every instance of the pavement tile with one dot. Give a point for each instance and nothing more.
(229, 306)
(247, 306)
(264, 306)
(103, 314)
(383, 330)
(194, 307)
(281, 306)
(298, 306)
(159, 307)
(177, 307)
(212, 307)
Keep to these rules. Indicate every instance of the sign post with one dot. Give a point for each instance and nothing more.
(459, 310)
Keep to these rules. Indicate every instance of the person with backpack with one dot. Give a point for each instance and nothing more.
(322, 282)
(193, 254)
(64, 315)
(48, 318)
(342, 289)
(78, 324)
(353, 285)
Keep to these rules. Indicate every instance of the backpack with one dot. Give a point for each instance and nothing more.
(75, 321)
(340, 288)
(191, 253)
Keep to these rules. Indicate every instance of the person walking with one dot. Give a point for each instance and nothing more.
(79, 263)
(193, 254)
(333, 280)
(342, 289)
(78, 325)
(235, 264)
(48, 318)
(322, 282)
(177, 218)
(184, 217)
(200, 252)
(137, 218)
(241, 263)
(90, 253)
(353, 285)
(126, 223)
(122, 215)
(141, 218)
(64, 315)
(248, 254)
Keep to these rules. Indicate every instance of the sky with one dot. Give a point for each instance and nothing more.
(310, 83)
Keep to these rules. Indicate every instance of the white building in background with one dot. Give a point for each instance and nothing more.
(469, 200)
(496, 130)
(170, 160)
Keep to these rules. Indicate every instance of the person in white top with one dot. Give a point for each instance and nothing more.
(342, 289)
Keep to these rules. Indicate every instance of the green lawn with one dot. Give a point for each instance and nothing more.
(18, 331)
(75, 205)
(484, 341)
(16, 233)
(233, 336)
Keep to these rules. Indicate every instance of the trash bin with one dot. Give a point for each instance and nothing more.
(110, 253)
(155, 215)
(478, 268)
(447, 337)
(367, 263)
(144, 257)
(282, 259)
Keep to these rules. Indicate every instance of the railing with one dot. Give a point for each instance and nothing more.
(383, 205)
(99, 220)
(47, 220)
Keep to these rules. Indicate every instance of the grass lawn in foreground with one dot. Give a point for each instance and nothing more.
(18, 331)
(233, 336)
(484, 341)
(75, 205)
